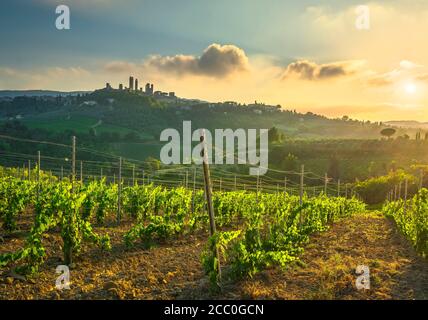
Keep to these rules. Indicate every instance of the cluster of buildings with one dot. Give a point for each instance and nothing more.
(148, 90)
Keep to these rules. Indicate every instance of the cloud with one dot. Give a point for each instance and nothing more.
(385, 79)
(8, 72)
(406, 64)
(121, 67)
(54, 78)
(308, 70)
(406, 69)
(216, 61)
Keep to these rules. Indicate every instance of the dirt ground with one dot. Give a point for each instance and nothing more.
(173, 270)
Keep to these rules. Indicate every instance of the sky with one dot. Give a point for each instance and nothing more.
(366, 60)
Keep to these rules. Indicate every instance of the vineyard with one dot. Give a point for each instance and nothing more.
(256, 230)
(49, 219)
(411, 217)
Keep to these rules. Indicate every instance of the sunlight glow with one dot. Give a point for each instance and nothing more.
(410, 88)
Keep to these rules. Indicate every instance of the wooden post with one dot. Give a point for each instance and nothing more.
(119, 192)
(302, 177)
(406, 185)
(346, 191)
(81, 171)
(421, 180)
(257, 187)
(187, 179)
(29, 170)
(235, 182)
(133, 175)
(285, 186)
(302, 180)
(73, 161)
(101, 173)
(194, 190)
(210, 207)
(220, 184)
(325, 183)
(399, 190)
(338, 187)
(38, 173)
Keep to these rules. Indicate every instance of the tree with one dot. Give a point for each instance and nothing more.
(274, 135)
(333, 168)
(152, 164)
(388, 132)
(290, 163)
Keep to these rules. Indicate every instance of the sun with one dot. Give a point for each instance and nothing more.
(410, 88)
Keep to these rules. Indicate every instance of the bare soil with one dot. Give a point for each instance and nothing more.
(172, 270)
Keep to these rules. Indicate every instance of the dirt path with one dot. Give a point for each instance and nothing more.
(328, 267)
(172, 270)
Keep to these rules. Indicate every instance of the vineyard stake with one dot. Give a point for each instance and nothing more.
(38, 173)
(81, 171)
(210, 207)
(235, 182)
(338, 187)
(399, 189)
(73, 161)
(325, 183)
(285, 186)
(133, 175)
(119, 191)
(257, 187)
(302, 175)
(421, 182)
(406, 185)
(194, 189)
(29, 170)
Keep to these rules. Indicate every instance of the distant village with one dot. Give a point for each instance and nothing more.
(71, 98)
(148, 90)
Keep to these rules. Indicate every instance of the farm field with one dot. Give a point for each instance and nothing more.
(273, 245)
(80, 124)
(172, 269)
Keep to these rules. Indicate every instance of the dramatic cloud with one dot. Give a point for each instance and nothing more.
(216, 61)
(308, 70)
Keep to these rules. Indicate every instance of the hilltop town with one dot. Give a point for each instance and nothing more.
(148, 90)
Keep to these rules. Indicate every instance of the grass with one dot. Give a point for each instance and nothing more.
(76, 123)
